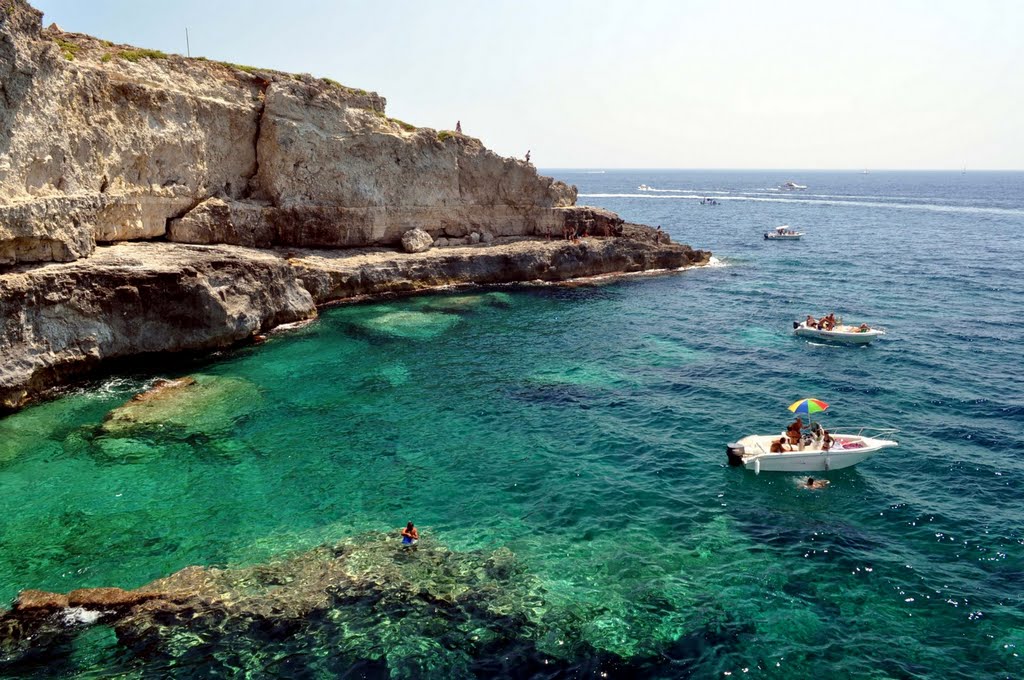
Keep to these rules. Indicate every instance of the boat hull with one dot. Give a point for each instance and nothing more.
(838, 336)
(808, 462)
(857, 450)
(785, 237)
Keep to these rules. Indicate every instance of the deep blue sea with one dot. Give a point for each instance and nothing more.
(581, 432)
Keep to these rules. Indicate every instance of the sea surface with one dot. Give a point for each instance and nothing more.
(582, 430)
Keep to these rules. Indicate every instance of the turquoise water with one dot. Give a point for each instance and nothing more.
(583, 429)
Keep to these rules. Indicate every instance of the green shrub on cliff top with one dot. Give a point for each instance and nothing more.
(408, 127)
(141, 53)
(240, 67)
(67, 48)
(445, 134)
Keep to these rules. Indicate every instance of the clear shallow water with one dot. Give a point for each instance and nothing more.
(584, 429)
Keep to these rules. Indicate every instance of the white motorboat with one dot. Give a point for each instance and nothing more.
(792, 186)
(754, 451)
(783, 233)
(840, 333)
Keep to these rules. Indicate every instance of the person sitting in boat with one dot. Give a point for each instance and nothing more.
(863, 328)
(794, 430)
(810, 322)
(826, 440)
(779, 445)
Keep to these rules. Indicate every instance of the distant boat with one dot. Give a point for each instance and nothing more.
(865, 172)
(792, 186)
(842, 334)
(783, 233)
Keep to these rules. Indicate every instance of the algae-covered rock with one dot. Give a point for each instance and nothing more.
(442, 606)
(201, 403)
(409, 325)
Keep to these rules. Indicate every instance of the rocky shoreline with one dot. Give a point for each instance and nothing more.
(62, 321)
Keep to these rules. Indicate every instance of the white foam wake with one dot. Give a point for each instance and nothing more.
(972, 210)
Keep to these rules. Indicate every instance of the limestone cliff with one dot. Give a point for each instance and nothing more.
(104, 142)
(247, 172)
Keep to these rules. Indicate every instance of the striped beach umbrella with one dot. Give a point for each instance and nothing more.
(808, 406)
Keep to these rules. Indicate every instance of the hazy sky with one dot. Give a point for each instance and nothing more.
(688, 84)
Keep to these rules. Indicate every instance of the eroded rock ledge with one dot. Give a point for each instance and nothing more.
(60, 321)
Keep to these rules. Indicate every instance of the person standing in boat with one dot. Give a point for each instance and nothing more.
(795, 430)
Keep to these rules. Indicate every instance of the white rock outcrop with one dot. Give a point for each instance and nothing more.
(417, 241)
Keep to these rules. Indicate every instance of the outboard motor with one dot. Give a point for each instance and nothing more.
(796, 324)
(735, 454)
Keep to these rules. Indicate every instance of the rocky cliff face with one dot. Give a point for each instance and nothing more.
(58, 321)
(105, 143)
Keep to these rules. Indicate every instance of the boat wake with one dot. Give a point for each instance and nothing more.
(927, 207)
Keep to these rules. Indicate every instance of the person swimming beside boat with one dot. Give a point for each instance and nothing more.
(779, 446)
(813, 483)
(410, 537)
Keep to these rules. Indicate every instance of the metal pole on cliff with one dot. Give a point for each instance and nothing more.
(188, 48)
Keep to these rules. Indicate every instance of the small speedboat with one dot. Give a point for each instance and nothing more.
(841, 333)
(792, 186)
(783, 233)
(754, 451)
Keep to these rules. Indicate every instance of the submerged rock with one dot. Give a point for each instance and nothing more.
(409, 325)
(342, 592)
(201, 403)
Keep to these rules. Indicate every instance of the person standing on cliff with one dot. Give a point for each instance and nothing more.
(657, 236)
(458, 127)
(527, 156)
